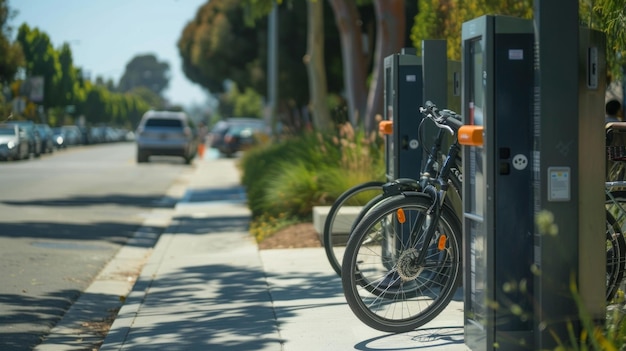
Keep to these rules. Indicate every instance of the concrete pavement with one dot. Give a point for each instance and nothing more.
(206, 286)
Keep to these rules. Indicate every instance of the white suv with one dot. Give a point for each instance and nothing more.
(166, 133)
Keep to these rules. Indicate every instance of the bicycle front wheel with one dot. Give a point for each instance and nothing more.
(385, 284)
(342, 216)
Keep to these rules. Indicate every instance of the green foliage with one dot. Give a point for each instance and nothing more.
(294, 187)
(41, 60)
(250, 103)
(266, 225)
(262, 164)
(11, 56)
(217, 45)
(284, 180)
(236, 104)
(444, 19)
(145, 71)
(609, 16)
(227, 42)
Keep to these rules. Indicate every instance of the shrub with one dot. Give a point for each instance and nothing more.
(286, 179)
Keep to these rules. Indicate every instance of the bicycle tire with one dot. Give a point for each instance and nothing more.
(453, 199)
(337, 223)
(615, 256)
(618, 213)
(369, 280)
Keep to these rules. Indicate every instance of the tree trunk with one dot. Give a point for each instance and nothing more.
(348, 22)
(316, 68)
(390, 29)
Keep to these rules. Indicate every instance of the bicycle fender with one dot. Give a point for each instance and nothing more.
(399, 186)
(415, 194)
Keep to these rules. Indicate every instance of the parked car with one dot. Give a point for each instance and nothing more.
(34, 139)
(47, 137)
(13, 142)
(72, 135)
(59, 138)
(166, 133)
(237, 134)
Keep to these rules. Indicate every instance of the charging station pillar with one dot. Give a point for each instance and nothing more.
(402, 96)
(498, 60)
(435, 72)
(534, 215)
(569, 157)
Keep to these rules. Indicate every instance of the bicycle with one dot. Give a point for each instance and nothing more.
(402, 262)
(615, 203)
(616, 244)
(353, 204)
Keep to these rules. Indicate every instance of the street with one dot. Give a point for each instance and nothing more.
(62, 218)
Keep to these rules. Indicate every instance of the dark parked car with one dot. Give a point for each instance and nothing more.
(47, 138)
(72, 135)
(13, 142)
(34, 139)
(166, 133)
(237, 134)
(59, 138)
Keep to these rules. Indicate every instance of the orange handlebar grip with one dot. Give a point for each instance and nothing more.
(385, 127)
(471, 135)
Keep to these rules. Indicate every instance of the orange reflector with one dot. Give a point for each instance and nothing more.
(385, 127)
(400, 215)
(441, 245)
(471, 135)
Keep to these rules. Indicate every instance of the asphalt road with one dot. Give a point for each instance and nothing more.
(62, 218)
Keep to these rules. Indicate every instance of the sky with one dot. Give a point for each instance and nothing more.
(105, 35)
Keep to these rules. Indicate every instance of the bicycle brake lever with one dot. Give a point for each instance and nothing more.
(446, 127)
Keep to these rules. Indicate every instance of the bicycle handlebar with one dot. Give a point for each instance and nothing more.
(445, 119)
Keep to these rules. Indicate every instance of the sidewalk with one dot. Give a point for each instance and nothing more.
(206, 286)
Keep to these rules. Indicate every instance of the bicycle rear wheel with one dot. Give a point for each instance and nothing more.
(616, 205)
(615, 256)
(390, 292)
(341, 219)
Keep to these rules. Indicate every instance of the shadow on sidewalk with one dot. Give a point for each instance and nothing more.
(218, 307)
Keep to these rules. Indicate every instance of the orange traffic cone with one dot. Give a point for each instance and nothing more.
(201, 150)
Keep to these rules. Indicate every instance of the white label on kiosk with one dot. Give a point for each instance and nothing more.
(559, 184)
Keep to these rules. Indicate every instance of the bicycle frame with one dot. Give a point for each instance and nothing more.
(437, 194)
(436, 188)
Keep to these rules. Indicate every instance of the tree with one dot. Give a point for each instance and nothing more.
(314, 61)
(152, 99)
(218, 45)
(354, 23)
(438, 19)
(390, 37)
(225, 43)
(248, 104)
(145, 71)
(11, 57)
(41, 60)
(67, 83)
(354, 66)
(95, 105)
(442, 19)
(609, 16)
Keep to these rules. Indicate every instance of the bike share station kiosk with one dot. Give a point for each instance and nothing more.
(410, 81)
(520, 161)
